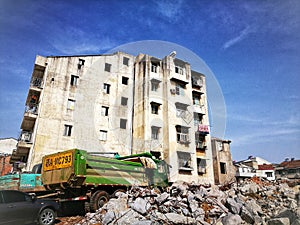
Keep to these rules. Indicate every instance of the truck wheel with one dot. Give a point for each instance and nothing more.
(47, 217)
(98, 199)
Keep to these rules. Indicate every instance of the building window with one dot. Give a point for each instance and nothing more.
(80, 63)
(125, 80)
(154, 86)
(179, 70)
(179, 89)
(71, 104)
(74, 80)
(154, 67)
(107, 67)
(181, 110)
(106, 88)
(200, 141)
(196, 99)
(68, 130)
(125, 61)
(104, 111)
(124, 101)
(184, 160)
(223, 168)
(201, 166)
(219, 145)
(123, 123)
(154, 133)
(197, 119)
(103, 135)
(182, 134)
(154, 107)
(269, 174)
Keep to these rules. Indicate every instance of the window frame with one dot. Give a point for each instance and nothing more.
(71, 104)
(184, 160)
(107, 67)
(124, 101)
(68, 130)
(154, 86)
(223, 169)
(123, 123)
(106, 88)
(104, 110)
(103, 135)
(126, 61)
(74, 80)
(125, 80)
(155, 133)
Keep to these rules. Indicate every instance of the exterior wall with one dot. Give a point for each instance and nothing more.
(222, 155)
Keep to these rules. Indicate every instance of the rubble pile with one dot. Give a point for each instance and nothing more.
(246, 203)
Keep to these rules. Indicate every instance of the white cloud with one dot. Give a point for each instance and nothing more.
(243, 34)
(172, 10)
(263, 136)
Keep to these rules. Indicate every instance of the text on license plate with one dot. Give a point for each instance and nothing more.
(62, 160)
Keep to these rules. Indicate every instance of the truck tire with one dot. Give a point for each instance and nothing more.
(46, 217)
(98, 199)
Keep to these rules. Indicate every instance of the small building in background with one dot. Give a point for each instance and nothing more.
(224, 170)
(7, 146)
(255, 166)
(289, 169)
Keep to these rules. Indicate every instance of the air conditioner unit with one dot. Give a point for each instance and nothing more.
(173, 91)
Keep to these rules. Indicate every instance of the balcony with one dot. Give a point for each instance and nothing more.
(197, 82)
(199, 109)
(201, 145)
(25, 136)
(183, 138)
(36, 83)
(30, 115)
(31, 108)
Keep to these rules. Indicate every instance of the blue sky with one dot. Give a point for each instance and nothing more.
(252, 47)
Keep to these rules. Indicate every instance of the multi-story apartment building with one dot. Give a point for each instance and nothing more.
(119, 103)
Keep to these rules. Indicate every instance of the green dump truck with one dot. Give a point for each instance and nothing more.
(93, 178)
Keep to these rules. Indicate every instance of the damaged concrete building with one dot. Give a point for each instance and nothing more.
(224, 170)
(119, 103)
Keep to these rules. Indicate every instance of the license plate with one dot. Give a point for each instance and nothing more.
(58, 161)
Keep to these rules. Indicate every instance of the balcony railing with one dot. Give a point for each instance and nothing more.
(25, 136)
(36, 82)
(183, 138)
(197, 82)
(201, 145)
(31, 108)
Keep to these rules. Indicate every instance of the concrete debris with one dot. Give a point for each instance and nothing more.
(248, 202)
